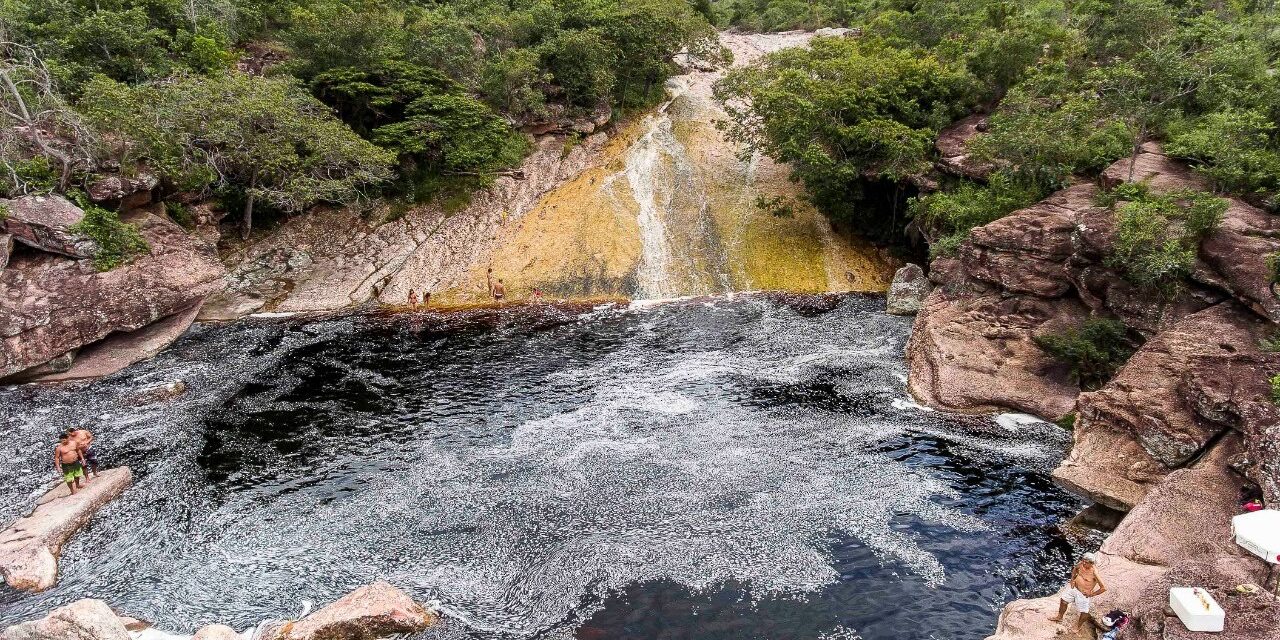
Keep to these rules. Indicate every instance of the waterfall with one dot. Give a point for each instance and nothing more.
(648, 174)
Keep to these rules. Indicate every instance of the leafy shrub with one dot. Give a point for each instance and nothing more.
(180, 214)
(1157, 236)
(1275, 388)
(118, 242)
(36, 175)
(955, 213)
(1234, 149)
(1094, 351)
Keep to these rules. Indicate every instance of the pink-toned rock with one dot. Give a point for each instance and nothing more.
(1108, 466)
(372, 611)
(216, 632)
(1237, 251)
(953, 148)
(1029, 620)
(44, 222)
(120, 350)
(976, 353)
(29, 548)
(1151, 167)
(50, 305)
(113, 187)
(81, 620)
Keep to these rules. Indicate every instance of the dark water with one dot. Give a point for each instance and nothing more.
(711, 469)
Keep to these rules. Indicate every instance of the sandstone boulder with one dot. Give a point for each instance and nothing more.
(372, 611)
(44, 222)
(1029, 620)
(1026, 252)
(908, 290)
(81, 620)
(953, 148)
(216, 632)
(50, 305)
(114, 187)
(977, 353)
(120, 350)
(1237, 251)
(30, 547)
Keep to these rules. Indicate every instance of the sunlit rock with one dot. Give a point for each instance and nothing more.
(372, 611)
(81, 620)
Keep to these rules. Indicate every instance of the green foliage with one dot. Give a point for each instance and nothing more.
(1271, 343)
(1275, 388)
(267, 136)
(1236, 149)
(36, 175)
(118, 242)
(777, 206)
(952, 214)
(846, 113)
(1068, 421)
(180, 214)
(1157, 236)
(1094, 351)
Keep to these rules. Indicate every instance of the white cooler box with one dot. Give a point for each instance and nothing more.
(1196, 609)
(1259, 532)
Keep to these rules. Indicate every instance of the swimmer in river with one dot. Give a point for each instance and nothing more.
(497, 290)
(69, 461)
(83, 439)
(413, 298)
(1084, 584)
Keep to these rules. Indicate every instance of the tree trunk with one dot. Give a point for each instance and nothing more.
(1137, 146)
(248, 208)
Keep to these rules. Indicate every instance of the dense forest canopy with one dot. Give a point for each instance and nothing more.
(293, 102)
(1072, 85)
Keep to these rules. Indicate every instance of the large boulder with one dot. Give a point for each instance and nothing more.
(1169, 400)
(1237, 251)
(120, 350)
(29, 548)
(977, 353)
(372, 611)
(953, 148)
(81, 620)
(128, 191)
(1026, 252)
(45, 222)
(1029, 620)
(50, 305)
(908, 290)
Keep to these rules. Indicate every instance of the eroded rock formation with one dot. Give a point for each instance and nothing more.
(81, 620)
(30, 547)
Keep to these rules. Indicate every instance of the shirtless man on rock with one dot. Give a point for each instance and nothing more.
(68, 459)
(1084, 584)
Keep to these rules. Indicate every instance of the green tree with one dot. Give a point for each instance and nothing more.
(1094, 351)
(265, 136)
(1157, 236)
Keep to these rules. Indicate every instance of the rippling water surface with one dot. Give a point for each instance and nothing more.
(715, 469)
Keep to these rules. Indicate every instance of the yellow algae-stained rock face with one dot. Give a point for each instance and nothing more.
(670, 208)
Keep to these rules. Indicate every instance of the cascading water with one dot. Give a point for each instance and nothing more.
(716, 469)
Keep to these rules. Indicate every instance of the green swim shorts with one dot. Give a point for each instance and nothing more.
(71, 471)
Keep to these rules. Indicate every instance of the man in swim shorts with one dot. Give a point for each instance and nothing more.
(69, 462)
(1084, 584)
(83, 439)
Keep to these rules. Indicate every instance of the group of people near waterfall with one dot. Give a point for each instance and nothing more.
(74, 458)
(497, 290)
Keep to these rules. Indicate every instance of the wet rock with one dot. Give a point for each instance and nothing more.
(953, 148)
(81, 620)
(1029, 620)
(908, 290)
(372, 611)
(120, 350)
(44, 222)
(159, 393)
(29, 548)
(216, 632)
(50, 305)
(977, 353)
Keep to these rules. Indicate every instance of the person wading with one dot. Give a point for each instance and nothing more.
(83, 439)
(496, 289)
(69, 462)
(1084, 584)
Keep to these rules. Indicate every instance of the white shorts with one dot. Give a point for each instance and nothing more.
(1072, 595)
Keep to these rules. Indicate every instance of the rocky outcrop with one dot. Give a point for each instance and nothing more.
(1029, 620)
(954, 156)
(908, 291)
(976, 353)
(1182, 390)
(129, 192)
(372, 611)
(29, 548)
(81, 620)
(120, 350)
(51, 305)
(45, 222)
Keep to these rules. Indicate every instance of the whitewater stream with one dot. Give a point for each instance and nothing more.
(720, 469)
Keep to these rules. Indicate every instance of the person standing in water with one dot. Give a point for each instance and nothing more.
(1084, 584)
(69, 461)
(83, 440)
(496, 289)
(413, 298)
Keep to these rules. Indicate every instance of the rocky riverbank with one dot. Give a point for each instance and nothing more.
(1173, 437)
